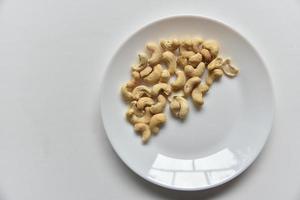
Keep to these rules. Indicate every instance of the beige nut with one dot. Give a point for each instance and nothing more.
(185, 53)
(215, 64)
(213, 76)
(159, 106)
(212, 46)
(161, 88)
(197, 96)
(196, 42)
(126, 94)
(170, 59)
(190, 71)
(180, 80)
(165, 76)
(182, 61)
(133, 118)
(146, 71)
(132, 84)
(170, 45)
(144, 130)
(154, 76)
(203, 87)
(195, 59)
(143, 102)
(136, 111)
(143, 60)
(156, 121)
(179, 107)
(206, 55)
(229, 69)
(140, 91)
(190, 85)
(135, 75)
(156, 53)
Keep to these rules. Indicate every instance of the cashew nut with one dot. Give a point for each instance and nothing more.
(161, 87)
(143, 60)
(165, 76)
(134, 108)
(140, 91)
(143, 102)
(136, 75)
(143, 129)
(179, 107)
(197, 96)
(213, 76)
(190, 71)
(154, 76)
(126, 94)
(132, 84)
(156, 51)
(203, 87)
(180, 80)
(195, 59)
(185, 52)
(229, 69)
(159, 106)
(156, 121)
(212, 46)
(170, 45)
(170, 59)
(206, 55)
(190, 85)
(146, 71)
(133, 118)
(196, 42)
(215, 64)
(182, 61)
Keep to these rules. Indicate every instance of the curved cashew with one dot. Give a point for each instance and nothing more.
(156, 53)
(196, 42)
(182, 61)
(190, 85)
(179, 107)
(136, 75)
(165, 76)
(215, 64)
(126, 94)
(212, 46)
(190, 71)
(161, 87)
(180, 80)
(195, 59)
(143, 60)
(133, 118)
(159, 106)
(146, 71)
(197, 96)
(143, 102)
(134, 108)
(170, 45)
(229, 69)
(185, 52)
(140, 91)
(203, 87)
(206, 55)
(154, 76)
(156, 121)
(170, 59)
(143, 129)
(131, 84)
(213, 75)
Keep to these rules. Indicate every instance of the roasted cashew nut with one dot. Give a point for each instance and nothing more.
(159, 107)
(196, 42)
(198, 93)
(190, 71)
(213, 76)
(165, 76)
(146, 71)
(215, 64)
(143, 102)
(161, 88)
(133, 118)
(206, 55)
(190, 85)
(229, 69)
(140, 91)
(170, 45)
(180, 80)
(154, 76)
(156, 51)
(195, 59)
(126, 94)
(212, 46)
(182, 61)
(185, 52)
(144, 130)
(170, 59)
(143, 60)
(179, 107)
(156, 121)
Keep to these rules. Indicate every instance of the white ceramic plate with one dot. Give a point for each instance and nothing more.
(213, 145)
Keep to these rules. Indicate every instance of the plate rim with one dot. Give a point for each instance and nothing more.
(272, 102)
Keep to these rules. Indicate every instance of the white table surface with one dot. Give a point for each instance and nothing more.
(52, 57)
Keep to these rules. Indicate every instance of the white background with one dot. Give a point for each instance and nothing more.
(52, 57)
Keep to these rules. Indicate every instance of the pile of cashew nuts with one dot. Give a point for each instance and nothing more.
(151, 86)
